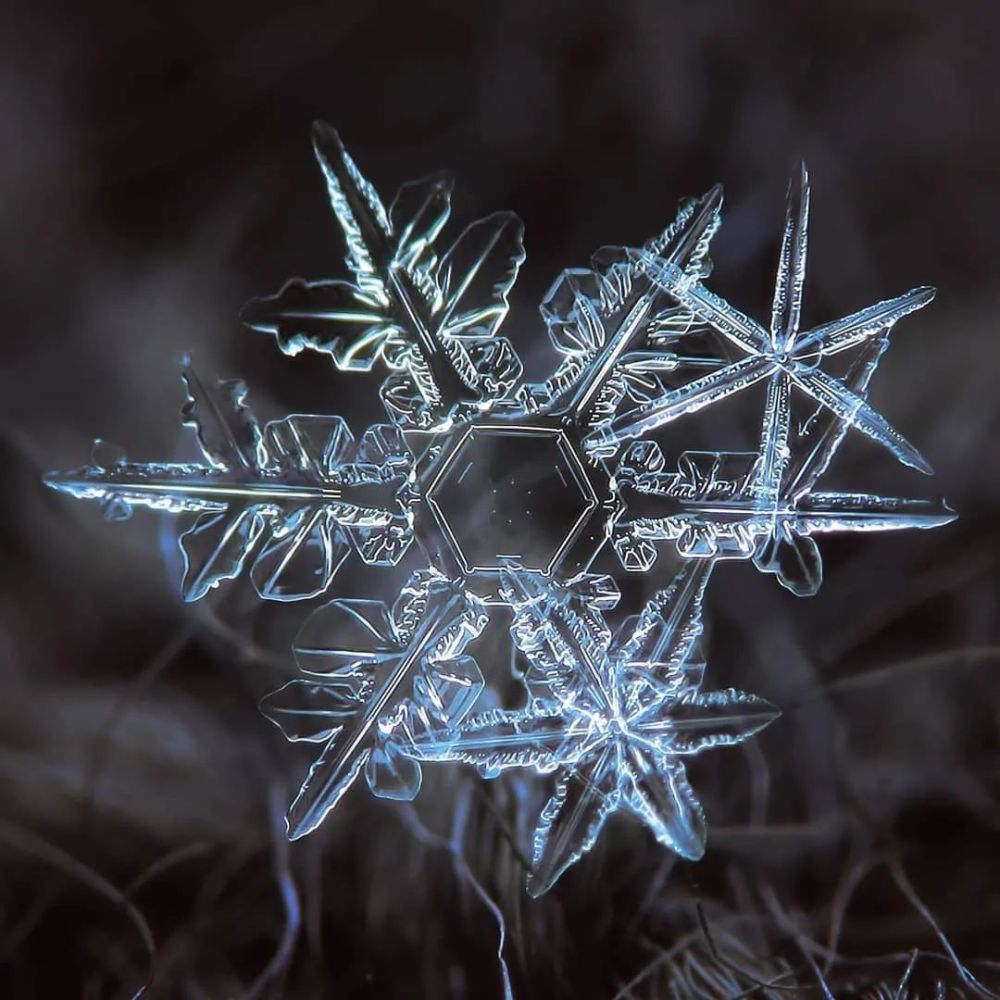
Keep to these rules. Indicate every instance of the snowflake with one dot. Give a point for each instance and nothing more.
(511, 492)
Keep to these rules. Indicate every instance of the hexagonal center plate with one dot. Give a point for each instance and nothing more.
(511, 494)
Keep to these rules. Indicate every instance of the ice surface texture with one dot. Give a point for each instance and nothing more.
(512, 492)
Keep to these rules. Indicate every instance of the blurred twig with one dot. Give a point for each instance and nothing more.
(55, 857)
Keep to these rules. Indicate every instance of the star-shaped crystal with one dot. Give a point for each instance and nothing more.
(617, 718)
(783, 355)
(764, 504)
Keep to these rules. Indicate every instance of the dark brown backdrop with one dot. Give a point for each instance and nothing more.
(156, 173)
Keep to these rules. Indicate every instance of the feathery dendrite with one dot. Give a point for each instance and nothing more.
(512, 492)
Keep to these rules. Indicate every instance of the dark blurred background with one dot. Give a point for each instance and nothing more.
(156, 173)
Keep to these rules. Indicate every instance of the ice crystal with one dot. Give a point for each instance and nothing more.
(511, 491)
(620, 715)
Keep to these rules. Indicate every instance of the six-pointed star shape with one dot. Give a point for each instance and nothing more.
(637, 330)
(617, 718)
(781, 355)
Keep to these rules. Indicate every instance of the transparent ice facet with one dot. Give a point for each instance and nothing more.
(511, 494)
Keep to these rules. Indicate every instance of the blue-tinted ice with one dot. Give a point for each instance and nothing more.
(512, 492)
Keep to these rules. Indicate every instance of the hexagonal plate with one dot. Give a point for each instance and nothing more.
(510, 494)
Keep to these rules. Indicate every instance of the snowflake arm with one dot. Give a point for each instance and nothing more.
(786, 308)
(719, 510)
(291, 499)
(611, 323)
(832, 338)
(693, 723)
(693, 396)
(433, 321)
(659, 643)
(819, 437)
(541, 735)
(559, 633)
(658, 792)
(855, 412)
(786, 311)
(573, 818)
(403, 672)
